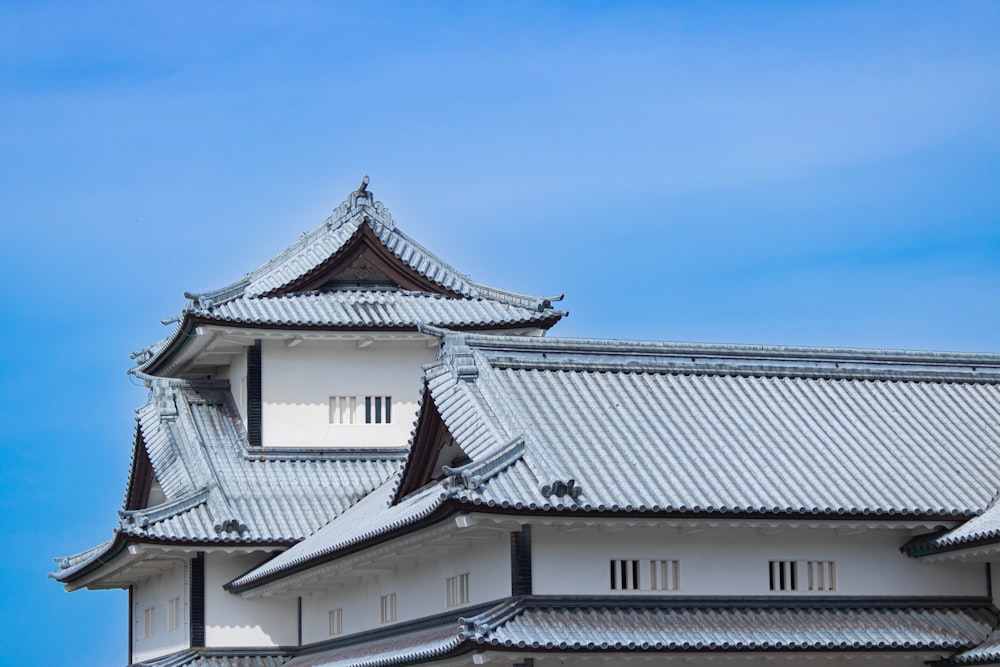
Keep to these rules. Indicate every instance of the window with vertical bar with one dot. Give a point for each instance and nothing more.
(803, 575)
(457, 590)
(173, 614)
(645, 575)
(148, 622)
(378, 409)
(336, 619)
(388, 608)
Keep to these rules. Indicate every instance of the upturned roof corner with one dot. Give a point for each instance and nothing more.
(356, 270)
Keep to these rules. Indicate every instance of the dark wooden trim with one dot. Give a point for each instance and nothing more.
(141, 476)
(424, 452)
(364, 244)
(131, 621)
(520, 561)
(540, 323)
(255, 417)
(300, 620)
(197, 602)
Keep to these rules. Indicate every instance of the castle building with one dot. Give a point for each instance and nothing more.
(356, 455)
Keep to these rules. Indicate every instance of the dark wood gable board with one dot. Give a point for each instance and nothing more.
(364, 245)
(140, 477)
(431, 433)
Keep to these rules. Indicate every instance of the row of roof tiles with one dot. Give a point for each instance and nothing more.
(539, 625)
(255, 299)
(670, 439)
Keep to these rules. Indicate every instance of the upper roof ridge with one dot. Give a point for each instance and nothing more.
(767, 358)
(315, 246)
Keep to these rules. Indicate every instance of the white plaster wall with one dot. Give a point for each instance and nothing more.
(156, 592)
(735, 561)
(297, 384)
(236, 373)
(419, 588)
(232, 621)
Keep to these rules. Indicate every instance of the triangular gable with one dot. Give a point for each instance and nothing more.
(144, 489)
(364, 260)
(433, 447)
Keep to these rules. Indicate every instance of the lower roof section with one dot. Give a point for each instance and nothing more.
(987, 653)
(655, 625)
(219, 658)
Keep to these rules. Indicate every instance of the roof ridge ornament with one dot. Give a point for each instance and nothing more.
(361, 196)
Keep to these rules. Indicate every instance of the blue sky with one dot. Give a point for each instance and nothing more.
(778, 172)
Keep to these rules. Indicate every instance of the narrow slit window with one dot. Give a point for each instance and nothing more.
(148, 622)
(173, 614)
(822, 575)
(378, 409)
(457, 590)
(336, 619)
(664, 575)
(800, 575)
(343, 409)
(388, 608)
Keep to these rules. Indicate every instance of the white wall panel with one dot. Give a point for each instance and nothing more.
(297, 384)
(419, 588)
(734, 561)
(155, 593)
(233, 621)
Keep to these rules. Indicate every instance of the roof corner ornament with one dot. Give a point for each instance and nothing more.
(231, 526)
(562, 489)
(362, 196)
(166, 407)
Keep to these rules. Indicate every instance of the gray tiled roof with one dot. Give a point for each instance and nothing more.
(646, 427)
(986, 653)
(374, 309)
(695, 430)
(252, 300)
(981, 530)
(369, 518)
(633, 627)
(198, 451)
(218, 658)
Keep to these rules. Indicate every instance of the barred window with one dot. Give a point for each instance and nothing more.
(336, 619)
(388, 608)
(645, 575)
(457, 590)
(803, 575)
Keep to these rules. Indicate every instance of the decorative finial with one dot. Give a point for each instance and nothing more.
(364, 184)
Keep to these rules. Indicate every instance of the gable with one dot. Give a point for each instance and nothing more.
(433, 447)
(363, 262)
(144, 489)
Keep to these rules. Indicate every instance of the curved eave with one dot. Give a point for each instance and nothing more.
(923, 547)
(106, 556)
(163, 363)
(451, 507)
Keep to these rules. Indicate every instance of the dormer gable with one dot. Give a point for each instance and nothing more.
(433, 449)
(144, 489)
(363, 263)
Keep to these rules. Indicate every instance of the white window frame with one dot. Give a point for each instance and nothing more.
(173, 614)
(378, 409)
(343, 410)
(456, 590)
(149, 622)
(629, 575)
(336, 621)
(387, 608)
(797, 576)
